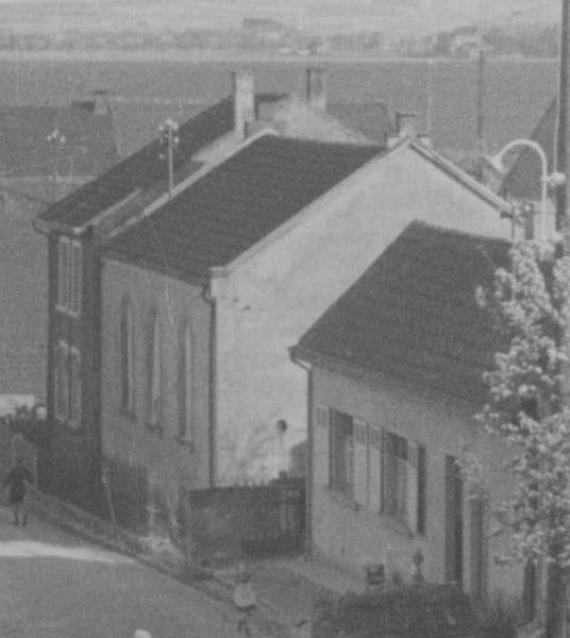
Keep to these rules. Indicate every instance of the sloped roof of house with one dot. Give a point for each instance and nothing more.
(141, 169)
(523, 179)
(25, 151)
(237, 204)
(413, 314)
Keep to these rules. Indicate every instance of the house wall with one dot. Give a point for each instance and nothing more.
(129, 445)
(353, 536)
(274, 293)
(69, 462)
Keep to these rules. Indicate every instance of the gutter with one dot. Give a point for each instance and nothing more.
(293, 355)
(212, 385)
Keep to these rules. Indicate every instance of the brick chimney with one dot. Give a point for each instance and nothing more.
(244, 103)
(316, 89)
(101, 103)
(406, 124)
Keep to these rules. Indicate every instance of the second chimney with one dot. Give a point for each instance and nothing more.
(316, 92)
(244, 103)
(406, 124)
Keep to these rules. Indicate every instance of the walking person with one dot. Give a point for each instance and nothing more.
(17, 479)
(244, 599)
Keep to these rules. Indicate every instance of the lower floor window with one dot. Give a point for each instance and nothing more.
(342, 452)
(67, 384)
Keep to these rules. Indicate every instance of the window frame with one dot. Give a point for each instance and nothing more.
(186, 383)
(127, 370)
(75, 278)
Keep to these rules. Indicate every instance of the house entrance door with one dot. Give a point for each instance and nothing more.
(453, 522)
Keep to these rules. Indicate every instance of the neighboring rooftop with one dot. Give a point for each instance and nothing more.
(237, 204)
(371, 119)
(413, 314)
(25, 151)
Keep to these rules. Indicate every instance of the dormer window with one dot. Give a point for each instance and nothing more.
(69, 274)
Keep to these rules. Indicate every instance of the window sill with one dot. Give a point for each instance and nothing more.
(66, 311)
(155, 428)
(187, 443)
(69, 426)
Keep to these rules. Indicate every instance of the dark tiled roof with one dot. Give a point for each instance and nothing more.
(369, 118)
(25, 151)
(238, 203)
(145, 167)
(142, 169)
(413, 314)
(523, 178)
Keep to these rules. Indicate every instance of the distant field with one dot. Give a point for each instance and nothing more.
(146, 91)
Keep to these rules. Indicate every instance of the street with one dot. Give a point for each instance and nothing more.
(54, 585)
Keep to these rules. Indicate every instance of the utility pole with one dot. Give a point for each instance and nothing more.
(170, 140)
(561, 157)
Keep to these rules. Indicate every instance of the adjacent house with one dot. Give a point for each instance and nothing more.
(78, 226)
(45, 151)
(202, 296)
(394, 383)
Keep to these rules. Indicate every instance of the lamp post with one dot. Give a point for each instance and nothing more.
(547, 179)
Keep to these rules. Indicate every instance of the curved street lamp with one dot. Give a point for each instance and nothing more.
(547, 179)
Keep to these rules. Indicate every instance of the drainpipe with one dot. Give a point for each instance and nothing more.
(212, 388)
(310, 446)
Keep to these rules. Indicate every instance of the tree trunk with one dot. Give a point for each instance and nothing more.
(555, 602)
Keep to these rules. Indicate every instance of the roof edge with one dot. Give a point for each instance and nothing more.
(501, 204)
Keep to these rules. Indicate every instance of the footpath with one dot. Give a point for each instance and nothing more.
(286, 588)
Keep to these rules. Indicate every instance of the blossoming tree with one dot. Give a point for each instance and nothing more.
(528, 407)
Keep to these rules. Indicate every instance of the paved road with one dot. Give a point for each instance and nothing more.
(53, 585)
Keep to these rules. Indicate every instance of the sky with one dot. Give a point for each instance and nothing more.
(416, 15)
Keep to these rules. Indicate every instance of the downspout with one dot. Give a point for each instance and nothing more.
(212, 385)
(310, 447)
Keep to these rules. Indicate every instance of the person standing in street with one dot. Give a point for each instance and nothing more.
(17, 479)
(244, 599)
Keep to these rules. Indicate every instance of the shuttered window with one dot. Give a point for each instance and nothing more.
(342, 452)
(75, 277)
(322, 445)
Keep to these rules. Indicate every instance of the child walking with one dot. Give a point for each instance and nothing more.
(17, 479)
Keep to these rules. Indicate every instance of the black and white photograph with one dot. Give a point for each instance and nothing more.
(285, 319)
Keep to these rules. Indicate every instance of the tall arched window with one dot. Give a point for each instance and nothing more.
(155, 373)
(185, 381)
(127, 354)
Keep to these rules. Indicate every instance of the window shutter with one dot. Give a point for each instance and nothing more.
(375, 468)
(360, 465)
(412, 486)
(422, 490)
(61, 378)
(322, 444)
(155, 373)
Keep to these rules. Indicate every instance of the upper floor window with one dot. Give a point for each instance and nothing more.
(185, 383)
(155, 373)
(127, 355)
(69, 275)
